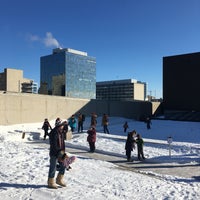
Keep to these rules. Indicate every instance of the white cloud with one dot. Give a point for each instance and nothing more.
(48, 41)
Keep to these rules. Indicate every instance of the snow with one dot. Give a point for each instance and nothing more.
(24, 163)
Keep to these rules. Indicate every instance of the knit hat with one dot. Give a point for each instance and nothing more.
(59, 123)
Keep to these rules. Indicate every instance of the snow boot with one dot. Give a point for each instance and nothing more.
(51, 183)
(59, 180)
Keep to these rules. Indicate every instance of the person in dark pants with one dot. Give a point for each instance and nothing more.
(46, 126)
(80, 122)
(148, 121)
(130, 144)
(93, 120)
(125, 126)
(140, 142)
(91, 138)
(57, 149)
(105, 123)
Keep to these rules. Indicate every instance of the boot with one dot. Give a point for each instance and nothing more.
(51, 183)
(59, 180)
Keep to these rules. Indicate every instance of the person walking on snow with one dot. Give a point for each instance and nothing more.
(105, 123)
(148, 121)
(46, 126)
(93, 120)
(125, 126)
(57, 148)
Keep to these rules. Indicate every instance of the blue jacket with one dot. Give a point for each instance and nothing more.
(72, 122)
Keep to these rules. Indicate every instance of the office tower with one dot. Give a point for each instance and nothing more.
(68, 72)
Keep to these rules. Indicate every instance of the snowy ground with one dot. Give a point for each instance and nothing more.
(24, 163)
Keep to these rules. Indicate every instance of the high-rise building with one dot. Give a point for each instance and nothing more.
(68, 72)
(127, 89)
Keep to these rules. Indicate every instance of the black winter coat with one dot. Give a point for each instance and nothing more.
(130, 143)
(57, 143)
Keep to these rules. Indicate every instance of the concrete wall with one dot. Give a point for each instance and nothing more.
(16, 108)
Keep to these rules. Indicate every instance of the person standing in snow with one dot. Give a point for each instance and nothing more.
(57, 148)
(148, 121)
(140, 142)
(72, 123)
(46, 126)
(125, 126)
(81, 119)
(91, 138)
(65, 129)
(93, 120)
(130, 144)
(105, 123)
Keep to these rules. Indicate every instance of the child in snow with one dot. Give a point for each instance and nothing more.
(91, 138)
(140, 142)
(125, 126)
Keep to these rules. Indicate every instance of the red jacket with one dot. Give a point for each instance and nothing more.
(91, 135)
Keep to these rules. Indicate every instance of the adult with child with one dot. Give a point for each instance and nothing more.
(57, 148)
(130, 144)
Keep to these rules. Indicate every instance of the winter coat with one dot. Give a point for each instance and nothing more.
(46, 126)
(130, 143)
(125, 125)
(104, 120)
(81, 118)
(57, 143)
(140, 143)
(93, 120)
(72, 122)
(91, 135)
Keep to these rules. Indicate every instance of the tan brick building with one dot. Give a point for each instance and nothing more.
(12, 80)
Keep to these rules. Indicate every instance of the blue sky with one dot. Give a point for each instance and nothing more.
(129, 38)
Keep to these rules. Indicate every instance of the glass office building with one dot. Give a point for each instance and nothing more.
(68, 72)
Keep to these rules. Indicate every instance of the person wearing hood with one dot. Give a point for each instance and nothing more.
(57, 148)
(130, 144)
(91, 138)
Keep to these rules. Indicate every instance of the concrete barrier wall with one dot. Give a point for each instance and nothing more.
(17, 108)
